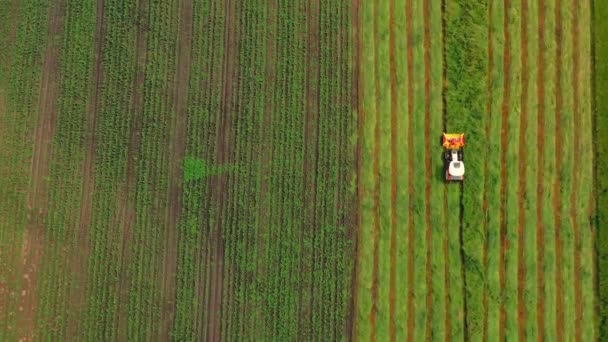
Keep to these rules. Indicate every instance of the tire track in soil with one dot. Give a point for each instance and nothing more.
(540, 142)
(376, 166)
(578, 303)
(357, 101)
(178, 144)
(410, 111)
(503, 169)
(428, 165)
(37, 192)
(485, 166)
(128, 205)
(521, 266)
(225, 149)
(393, 81)
(557, 193)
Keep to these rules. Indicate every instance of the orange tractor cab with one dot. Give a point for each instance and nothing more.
(454, 165)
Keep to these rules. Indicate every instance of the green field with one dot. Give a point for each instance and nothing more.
(187, 170)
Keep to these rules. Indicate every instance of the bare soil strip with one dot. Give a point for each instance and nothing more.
(357, 101)
(428, 165)
(375, 166)
(521, 265)
(578, 302)
(225, 148)
(392, 294)
(178, 143)
(485, 167)
(503, 168)
(540, 143)
(557, 194)
(37, 193)
(410, 151)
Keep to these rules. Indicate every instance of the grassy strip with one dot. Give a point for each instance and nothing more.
(419, 203)
(466, 63)
(438, 216)
(402, 196)
(530, 252)
(600, 110)
(584, 207)
(512, 166)
(384, 165)
(565, 145)
(366, 176)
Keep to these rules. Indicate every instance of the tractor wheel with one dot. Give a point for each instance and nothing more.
(447, 156)
(460, 155)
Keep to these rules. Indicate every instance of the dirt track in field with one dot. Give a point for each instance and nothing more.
(523, 147)
(485, 167)
(540, 142)
(503, 170)
(375, 166)
(557, 194)
(178, 143)
(576, 80)
(393, 78)
(410, 151)
(37, 202)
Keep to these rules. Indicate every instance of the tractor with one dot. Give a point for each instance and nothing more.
(453, 156)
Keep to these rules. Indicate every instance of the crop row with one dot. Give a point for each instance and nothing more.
(112, 140)
(65, 180)
(21, 65)
(195, 221)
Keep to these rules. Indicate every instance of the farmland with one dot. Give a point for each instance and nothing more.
(271, 170)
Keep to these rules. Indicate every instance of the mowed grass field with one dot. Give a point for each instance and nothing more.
(510, 253)
(194, 170)
(176, 170)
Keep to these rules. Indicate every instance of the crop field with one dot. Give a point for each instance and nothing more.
(176, 170)
(509, 254)
(270, 170)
